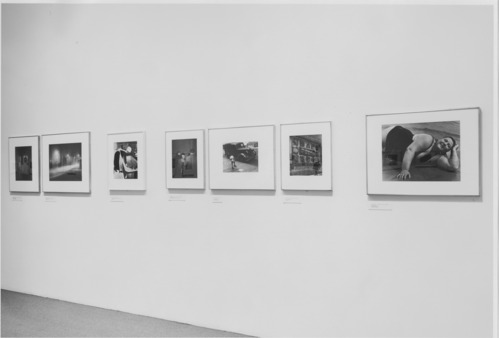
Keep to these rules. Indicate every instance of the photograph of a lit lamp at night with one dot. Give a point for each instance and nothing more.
(65, 162)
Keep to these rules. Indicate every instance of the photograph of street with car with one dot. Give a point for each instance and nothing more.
(239, 157)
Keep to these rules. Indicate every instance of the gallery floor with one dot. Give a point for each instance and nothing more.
(31, 316)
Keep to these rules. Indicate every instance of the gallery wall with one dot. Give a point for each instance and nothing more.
(266, 263)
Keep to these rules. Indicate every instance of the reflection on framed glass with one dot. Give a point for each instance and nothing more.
(242, 158)
(426, 153)
(184, 159)
(66, 162)
(306, 156)
(24, 164)
(126, 161)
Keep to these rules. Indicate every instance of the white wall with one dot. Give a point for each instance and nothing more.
(327, 266)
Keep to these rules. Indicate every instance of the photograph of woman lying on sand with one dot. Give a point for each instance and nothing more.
(421, 151)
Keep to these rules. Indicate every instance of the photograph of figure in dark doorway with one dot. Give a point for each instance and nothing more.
(240, 157)
(421, 151)
(184, 161)
(125, 160)
(65, 162)
(305, 155)
(23, 164)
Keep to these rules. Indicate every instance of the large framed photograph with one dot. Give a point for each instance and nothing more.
(66, 162)
(242, 158)
(306, 156)
(24, 164)
(184, 159)
(126, 161)
(426, 153)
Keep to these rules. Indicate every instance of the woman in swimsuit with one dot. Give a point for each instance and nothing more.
(423, 147)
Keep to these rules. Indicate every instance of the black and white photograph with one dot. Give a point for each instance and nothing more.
(240, 157)
(305, 155)
(424, 153)
(125, 161)
(65, 163)
(24, 164)
(126, 166)
(421, 151)
(184, 161)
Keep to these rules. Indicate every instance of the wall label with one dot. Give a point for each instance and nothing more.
(380, 207)
(176, 198)
(217, 200)
(292, 200)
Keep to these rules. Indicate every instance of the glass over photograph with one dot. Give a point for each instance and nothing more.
(65, 163)
(305, 155)
(239, 157)
(421, 151)
(184, 158)
(24, 166)
(125, 160)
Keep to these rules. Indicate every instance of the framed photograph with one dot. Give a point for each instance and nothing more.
(242, 158)
(24, 164)
(126, 161)
(306, 156)
(66, 162)
(185, 159)
(426, 153)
